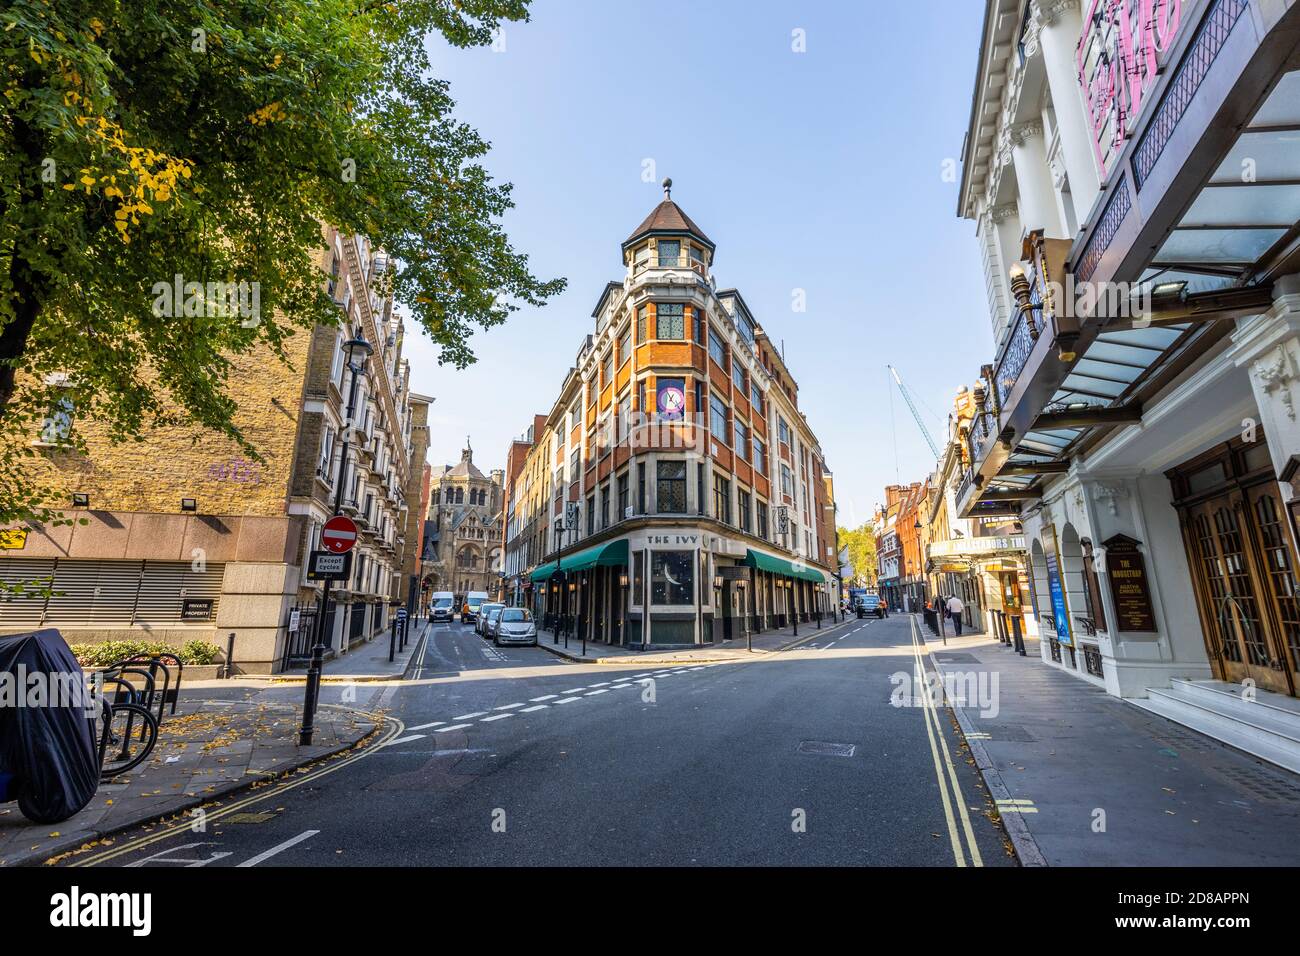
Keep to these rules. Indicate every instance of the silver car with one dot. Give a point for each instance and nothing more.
(480, 625)
(490, 619)
(514, 625)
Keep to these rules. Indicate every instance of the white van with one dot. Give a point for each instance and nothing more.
(469, 610)
(442, 606)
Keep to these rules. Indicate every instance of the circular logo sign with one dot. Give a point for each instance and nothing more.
(672, 401)
(339, 534)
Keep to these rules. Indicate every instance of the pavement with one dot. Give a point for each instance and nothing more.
(512, 756)
(768, 642)
(210, 748)
(1082, 778)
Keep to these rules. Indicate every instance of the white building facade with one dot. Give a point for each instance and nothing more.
(1133, 170)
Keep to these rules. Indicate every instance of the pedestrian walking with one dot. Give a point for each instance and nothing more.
(955, 609)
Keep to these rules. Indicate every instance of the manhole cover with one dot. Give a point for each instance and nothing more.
(249, 817)
(1016, 732)
(825, 749)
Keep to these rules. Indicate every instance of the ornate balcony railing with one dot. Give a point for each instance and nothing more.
(1201, 54)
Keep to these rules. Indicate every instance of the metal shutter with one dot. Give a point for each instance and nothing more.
(19, 612)
(166, 585)
(93, 593)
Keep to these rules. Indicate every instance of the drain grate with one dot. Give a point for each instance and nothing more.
(953, 657)
(823, 748)
(1015, 732)
(1264, 784)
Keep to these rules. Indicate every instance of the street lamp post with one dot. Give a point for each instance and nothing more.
(352, 349)
(794, 613)
(820, 590)
(623, 582)
(744, 612)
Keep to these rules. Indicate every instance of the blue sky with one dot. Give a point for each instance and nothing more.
(819, 171)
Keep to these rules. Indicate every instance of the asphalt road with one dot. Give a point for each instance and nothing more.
(514, 757)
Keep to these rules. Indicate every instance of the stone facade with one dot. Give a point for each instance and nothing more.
(464, 545)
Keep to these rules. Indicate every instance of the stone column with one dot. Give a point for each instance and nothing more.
(1268, 347)
(1055, 28)
(1024, 147)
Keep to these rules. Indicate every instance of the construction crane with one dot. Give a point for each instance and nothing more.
(907, 397)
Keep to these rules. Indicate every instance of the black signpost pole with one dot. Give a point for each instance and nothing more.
(311, 695)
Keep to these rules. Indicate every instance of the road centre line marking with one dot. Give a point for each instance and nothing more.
(593, 693)
(436, 723)
(279, 848)
(572, 690)
(477, 713)
(507, 707)
(601, 684)
(443, 730)
(486, 720)
(543, 697)
(568, 700)
(529, 710)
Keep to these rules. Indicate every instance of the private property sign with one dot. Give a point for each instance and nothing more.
(339, 534)
(1118, 62)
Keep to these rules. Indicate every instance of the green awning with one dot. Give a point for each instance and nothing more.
(609, 555)
(767, 562)
(544, 572)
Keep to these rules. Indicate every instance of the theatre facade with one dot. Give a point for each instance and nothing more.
(674, 495)
(1133, 169)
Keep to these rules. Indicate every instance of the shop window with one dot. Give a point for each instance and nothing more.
(672, 577)
(638, 578)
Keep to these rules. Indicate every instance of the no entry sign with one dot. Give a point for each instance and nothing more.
(339, 534)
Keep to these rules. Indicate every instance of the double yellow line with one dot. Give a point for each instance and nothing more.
(938, 747)
(392, 729)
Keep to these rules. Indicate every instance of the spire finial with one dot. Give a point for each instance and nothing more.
(668, 188)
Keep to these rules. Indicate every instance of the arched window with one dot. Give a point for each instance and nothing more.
(460, 495)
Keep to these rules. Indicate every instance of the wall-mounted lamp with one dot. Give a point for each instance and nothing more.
(717, 580)
(80, 500)
(189, 504)
(622, 580)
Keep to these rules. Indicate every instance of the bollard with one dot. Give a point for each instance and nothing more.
(228, 670)
(1019, 638)
(392, 642)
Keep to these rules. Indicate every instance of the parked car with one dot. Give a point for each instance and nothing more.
(515, 625)
(490, 617)
(469, 611)
(442, 607)
(480, 626)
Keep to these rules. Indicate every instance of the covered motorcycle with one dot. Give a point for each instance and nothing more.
(47, 729)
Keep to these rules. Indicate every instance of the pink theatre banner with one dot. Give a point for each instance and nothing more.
(1118, 61)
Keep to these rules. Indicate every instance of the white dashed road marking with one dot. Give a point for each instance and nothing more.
(279, 848)
(404, 740)
(479, 713)
(593, 693)
(436, 723)
(529, 710)
(568, 700)
(543, 697)
(443, 730)
(507, 707)
(495, 717)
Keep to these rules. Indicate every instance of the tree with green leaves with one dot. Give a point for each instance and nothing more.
(861, 545)
(211, 139)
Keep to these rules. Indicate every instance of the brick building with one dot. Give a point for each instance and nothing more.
(675, 493)
(185, 538)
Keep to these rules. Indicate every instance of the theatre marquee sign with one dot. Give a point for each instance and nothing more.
(1118, 61)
